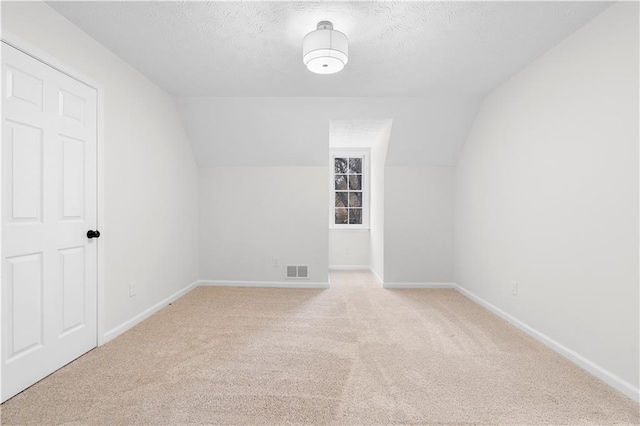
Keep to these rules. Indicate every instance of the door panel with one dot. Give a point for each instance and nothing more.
(24, 152)
(24, 88)
(73, 184)
(49, 202)
(73, 284)
(72, 107)
(26, 316)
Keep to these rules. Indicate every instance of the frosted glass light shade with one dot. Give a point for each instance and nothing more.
(325, 50)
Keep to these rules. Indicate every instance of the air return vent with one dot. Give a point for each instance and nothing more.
(297, 272)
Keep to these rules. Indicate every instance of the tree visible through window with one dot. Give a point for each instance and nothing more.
(348, 179)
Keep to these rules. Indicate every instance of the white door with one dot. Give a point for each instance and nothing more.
(49, 265)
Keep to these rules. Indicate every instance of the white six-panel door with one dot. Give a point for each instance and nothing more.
(49, 266)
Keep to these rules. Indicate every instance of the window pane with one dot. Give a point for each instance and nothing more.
(341, 165)
(341, 199)
(355, 199)
(355, 216)
(342, 216)
(355, 165)
(355, 182)
(341, 182)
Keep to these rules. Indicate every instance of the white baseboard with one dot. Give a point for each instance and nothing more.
(375, 274)
(349, 267)
(417, 285)
(116, 331)
(606, 376)
(272, 284)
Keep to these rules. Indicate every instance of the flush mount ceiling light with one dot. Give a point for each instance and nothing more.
(325, 50)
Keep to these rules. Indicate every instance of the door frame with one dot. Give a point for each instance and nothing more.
(42, 56)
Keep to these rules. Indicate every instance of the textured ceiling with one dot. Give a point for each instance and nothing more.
(357, 133)
(396, 48)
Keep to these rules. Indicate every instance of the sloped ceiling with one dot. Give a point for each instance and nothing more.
(236, 68)
(295, 131)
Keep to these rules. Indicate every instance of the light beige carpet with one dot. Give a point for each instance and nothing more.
(354, 354)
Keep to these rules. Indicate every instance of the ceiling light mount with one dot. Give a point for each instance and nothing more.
(325, 50)
(325, 25)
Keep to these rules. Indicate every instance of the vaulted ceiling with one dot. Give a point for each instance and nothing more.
(235, 69)
(296, 131)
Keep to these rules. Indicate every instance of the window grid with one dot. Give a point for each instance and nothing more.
(348, 190)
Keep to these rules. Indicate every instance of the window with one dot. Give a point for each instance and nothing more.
(350, 197)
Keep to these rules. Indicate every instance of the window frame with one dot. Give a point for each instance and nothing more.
(350, 153)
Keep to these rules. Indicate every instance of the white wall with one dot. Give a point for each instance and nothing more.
(151, 180)
(248, 215)
(547, 195)
(376, 220)
(296, 131)
(349, 247)
(418, 225)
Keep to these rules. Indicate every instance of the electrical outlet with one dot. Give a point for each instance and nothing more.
(132, 288)
(275, 262)
(514, 288)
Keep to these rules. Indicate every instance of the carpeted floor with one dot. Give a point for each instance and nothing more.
(353, 354)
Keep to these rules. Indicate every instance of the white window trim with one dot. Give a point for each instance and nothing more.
(351, 152)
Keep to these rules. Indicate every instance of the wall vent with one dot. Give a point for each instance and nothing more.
(297, 272)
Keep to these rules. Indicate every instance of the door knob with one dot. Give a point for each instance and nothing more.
(93, 234)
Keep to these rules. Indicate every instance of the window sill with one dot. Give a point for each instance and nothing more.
(349, 228)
